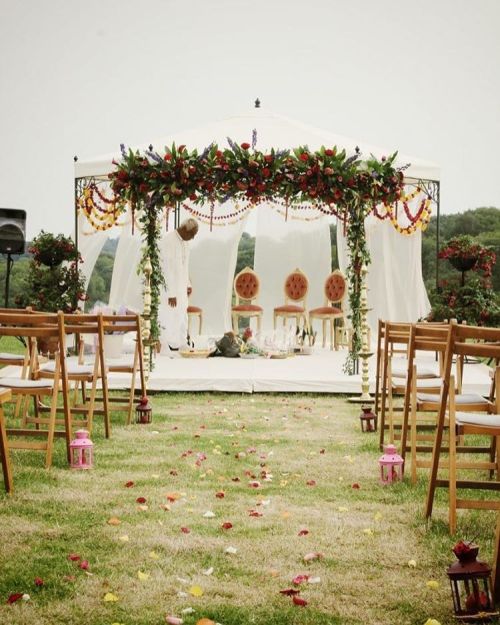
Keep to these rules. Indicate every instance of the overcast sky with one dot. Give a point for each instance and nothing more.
(82, 76)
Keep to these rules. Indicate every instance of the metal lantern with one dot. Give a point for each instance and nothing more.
(81, 451)
(144, 411)
(471, 585)
(368, 419)
(391, 466)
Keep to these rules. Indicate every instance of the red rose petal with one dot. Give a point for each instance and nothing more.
(255, 513)
(227, 525)
(303, 532)
(38, 581)
(289, 592)
(356, 486)
(15, 596)
(299, 601)
(311, 482)
(220, 495)
(141, 500)
(129, 484)
(185, 530)
(84, 565)
(74, 557)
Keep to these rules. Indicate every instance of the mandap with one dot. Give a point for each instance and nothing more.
(285, 182)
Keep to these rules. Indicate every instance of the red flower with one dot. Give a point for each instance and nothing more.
(329, 152)
(304, 157)
(167, 157)
(266, 172)
(245, 146)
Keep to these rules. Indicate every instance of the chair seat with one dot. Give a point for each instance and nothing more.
(193, 310)
(424, 384)
(18, 383)
(247, 308)
(484, 420)
(289, 308)
(8, 356)
(400, 371)
(72, 368)
(462, 400)
(325, 310)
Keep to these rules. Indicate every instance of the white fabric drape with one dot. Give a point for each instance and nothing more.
(396, 290)
(283, 246)
(126, 284)
(89, 246)
(211, 270)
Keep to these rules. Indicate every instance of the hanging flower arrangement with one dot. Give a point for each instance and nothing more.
(464, 251)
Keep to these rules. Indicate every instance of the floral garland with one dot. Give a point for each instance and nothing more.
(326, 179)
(99, 217)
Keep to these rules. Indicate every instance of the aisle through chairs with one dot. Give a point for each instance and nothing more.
(333, 309)
(481, 343)
(33, 328)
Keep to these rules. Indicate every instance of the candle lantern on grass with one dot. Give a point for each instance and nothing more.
(81, 451)
(391, 466)
(471, 585)
(368, 419)
(144, 411)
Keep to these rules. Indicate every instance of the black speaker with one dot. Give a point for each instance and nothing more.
(12, 231)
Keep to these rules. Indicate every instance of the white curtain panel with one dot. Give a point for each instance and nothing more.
(212, 264)
(283, 246)
(90, 244)
(126, 284)
(396, 290)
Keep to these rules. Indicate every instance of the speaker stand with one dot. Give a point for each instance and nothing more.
(10, 262)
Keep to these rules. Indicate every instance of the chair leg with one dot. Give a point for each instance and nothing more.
(4, 453)
(332, 339)
(201, 324)
(324, 332)
(496, 563)
(452, 459)
(259, 321)
(390, 405)
(413, 427)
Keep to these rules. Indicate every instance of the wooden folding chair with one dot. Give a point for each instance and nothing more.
(34, 327)
(482, 343)
(5, 395)
(76, 325)
(132, 364)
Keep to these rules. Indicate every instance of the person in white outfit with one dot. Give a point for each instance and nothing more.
(173, 310)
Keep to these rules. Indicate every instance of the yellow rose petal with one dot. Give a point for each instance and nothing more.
(432, 584)
(196, 591)
(143, 576)
(114, 521)
(110, 597)
(412, 564)
(124, 538)
(153, 555)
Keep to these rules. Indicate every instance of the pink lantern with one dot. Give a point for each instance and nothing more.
(391, 465)
(81, 451)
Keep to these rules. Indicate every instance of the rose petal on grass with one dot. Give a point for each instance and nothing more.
(343, 509)
(173, 620)
(185, 530)
(110, 597)
(314, 580)
(311, 483)
(289, 592)
(25, 597)
(299, 601)
(143, 576)
(153, 555)
(84, 565)
(188, 610)
(255, 513)
(74, 557)
(124, 538)
(208, 571)
(205, 621)
(208, 514)
(196, 591)
(227, 525)
(412, 564)
(220, 494)
(368, 531)
(129, 484)
(300, 579)
(114, 521)
(356, 486)
(38, 581)
(141, 500)
(432, 621)
(143, 508)
(231, 550)
(303, 532)
(432, 584)
(313, 555)
(15, 596)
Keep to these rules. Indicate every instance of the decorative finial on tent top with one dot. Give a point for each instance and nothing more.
(257, 103)
(150, 147)
(75, 158)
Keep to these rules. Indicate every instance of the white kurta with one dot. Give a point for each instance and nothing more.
(175, 262)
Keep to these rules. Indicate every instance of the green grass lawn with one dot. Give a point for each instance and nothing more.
(309, 457)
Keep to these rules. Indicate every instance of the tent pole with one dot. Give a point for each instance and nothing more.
(438, 242)
(75, 302)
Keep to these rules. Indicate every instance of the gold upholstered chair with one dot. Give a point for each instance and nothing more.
(246, 291)
(296, 288)
(334, 307)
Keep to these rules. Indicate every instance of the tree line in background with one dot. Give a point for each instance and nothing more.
(481, 223)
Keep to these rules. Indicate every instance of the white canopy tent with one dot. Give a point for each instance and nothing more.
(281, 246)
